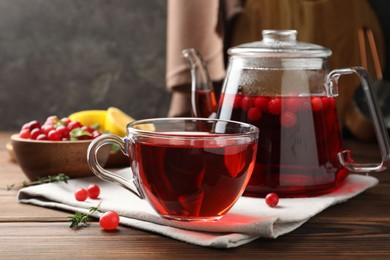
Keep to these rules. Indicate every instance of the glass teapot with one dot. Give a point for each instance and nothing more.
(283, 87)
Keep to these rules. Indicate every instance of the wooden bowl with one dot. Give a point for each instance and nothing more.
(44, 158)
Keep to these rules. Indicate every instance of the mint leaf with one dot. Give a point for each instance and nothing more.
(115, 148)
(95, 126)
(77, 132)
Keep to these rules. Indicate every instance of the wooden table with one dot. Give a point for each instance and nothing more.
(357, 228)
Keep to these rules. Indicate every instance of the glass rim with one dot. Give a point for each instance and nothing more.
(252, 130)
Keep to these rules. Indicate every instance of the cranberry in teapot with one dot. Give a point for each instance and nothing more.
(283, 87)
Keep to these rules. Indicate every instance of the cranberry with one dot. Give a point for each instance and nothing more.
(109, 220)
(42, 137)
(65, 121)
(275, 106)
(261, 103)
(332, 103)
(81, 194)
(96, 133)
(31, 125)
(53, 135)
(25, 133)
(237, 102)
(73, 125)
(254, 114)
(293, 104)
(35, 132)
(272, 199)
(51, 120)
(325, 102)
(63, 131)
(26, 126)
(93, 191)
(316, 104)
(47, 128)
(87, 128)
(246, 103)
(288, 119)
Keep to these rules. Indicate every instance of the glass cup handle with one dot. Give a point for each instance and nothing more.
(376, 117)
(99, 171)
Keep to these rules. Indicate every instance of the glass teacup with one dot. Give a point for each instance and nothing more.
(188, 169)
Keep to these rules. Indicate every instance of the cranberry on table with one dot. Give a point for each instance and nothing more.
(81, 194)
(272, 199)
(93, 191)
(109, 220)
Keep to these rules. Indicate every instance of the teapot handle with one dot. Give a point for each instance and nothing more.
(376, 117)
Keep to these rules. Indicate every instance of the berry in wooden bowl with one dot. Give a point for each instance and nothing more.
(57, 146)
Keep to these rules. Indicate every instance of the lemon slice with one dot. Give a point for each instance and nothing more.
(90, 117)
(146, 127)
(116, 121)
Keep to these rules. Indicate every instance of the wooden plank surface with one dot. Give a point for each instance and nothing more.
(358, 228)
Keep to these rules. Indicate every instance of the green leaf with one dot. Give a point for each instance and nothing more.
(79, 220)
(77, 132)
(95, 126)
(115, 148)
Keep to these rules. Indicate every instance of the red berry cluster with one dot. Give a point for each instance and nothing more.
(286, 107)
(55, 129)
(108, 220)
(93, 192)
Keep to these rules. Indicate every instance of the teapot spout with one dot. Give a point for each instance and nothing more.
(203, 101)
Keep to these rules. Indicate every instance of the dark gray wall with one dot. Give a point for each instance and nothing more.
(62, 56)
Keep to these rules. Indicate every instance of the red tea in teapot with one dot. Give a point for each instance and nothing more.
(298, 143)
(193, 178)
(283, 87)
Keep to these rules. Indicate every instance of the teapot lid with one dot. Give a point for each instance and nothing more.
(280, 43)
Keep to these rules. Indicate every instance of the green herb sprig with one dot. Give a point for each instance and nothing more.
(80, 220)
(61, 177)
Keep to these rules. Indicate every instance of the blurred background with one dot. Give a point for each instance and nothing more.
(58, 57)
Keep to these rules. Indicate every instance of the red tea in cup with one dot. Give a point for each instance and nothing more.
(186, 179)
(187, 169)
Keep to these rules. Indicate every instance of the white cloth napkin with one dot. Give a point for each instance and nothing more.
(249, 219)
